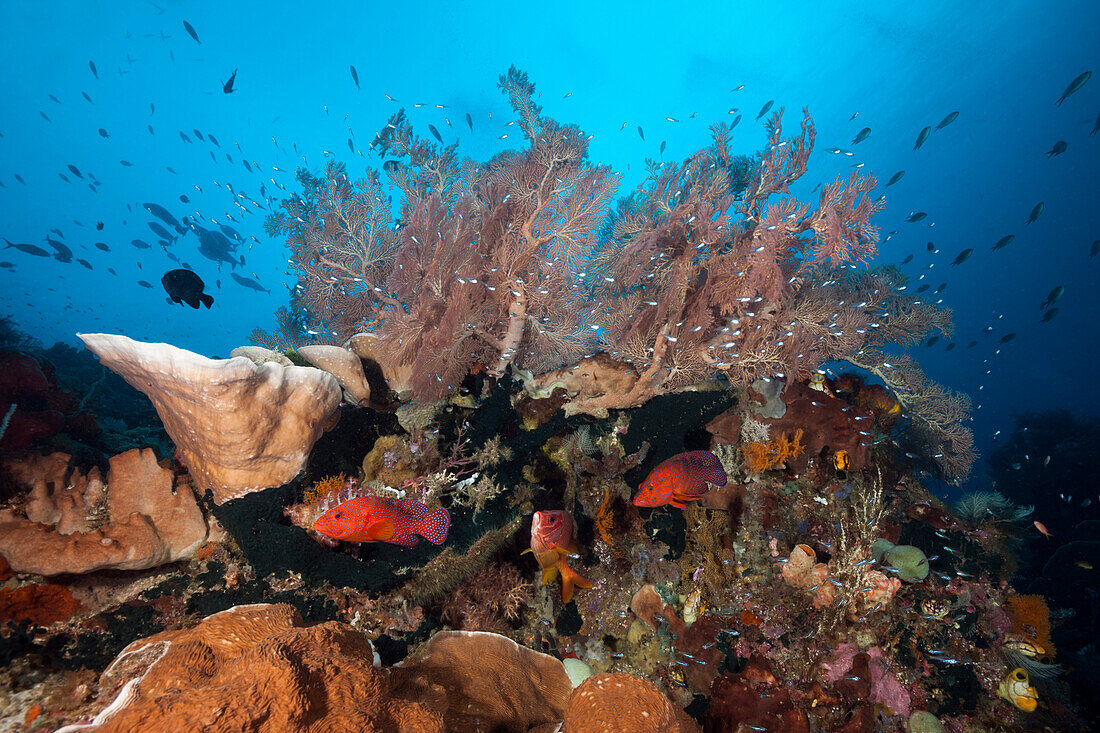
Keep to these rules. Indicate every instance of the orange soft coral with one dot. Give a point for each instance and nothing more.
(1031, 619)
(760, 457)
(323, 488)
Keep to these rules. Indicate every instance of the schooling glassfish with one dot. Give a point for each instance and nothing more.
(551, 542)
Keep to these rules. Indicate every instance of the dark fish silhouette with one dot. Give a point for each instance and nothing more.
(144, 284)
(950, 346)
(63, 253)
(662, 150)
(126, 163)
(948, 120)
(435, 133)
(28, 248)
(1007, 337)
(1095, 125)
(85, 263)
(191, 32)
(1094, 249)
(354, 76)
(1058, 149)
(249, 283)
(198, 135)
(907, 260)
(921, 137)
(140, 244)
(227, 87)
(162, 213)
(184, 286)
(213, 139)
(1053, 296)
(470, 121)
(1049, 315)
(932, 341)
(861, 135)
(916, 216)
(640, 133)
(85, 95)
(103, 246)
(765, 108)
(735, 121)
(1035, 213)
(895, 178)
(1003, 241)
(963, 256)
(103, 133)
(75, 170)
(1074, 85)
(91, 65)
(161, 231)
(184, 137)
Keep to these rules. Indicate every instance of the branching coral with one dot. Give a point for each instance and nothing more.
(760, 457)
(858, 588)
(489, 601)
(707, 267)
(938, 413)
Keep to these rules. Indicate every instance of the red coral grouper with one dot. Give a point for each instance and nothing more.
(681, 479)
(551, 542)
(382, 519)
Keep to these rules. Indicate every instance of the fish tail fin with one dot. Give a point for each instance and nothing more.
(434, 527)
(570, 579)
(549, 573)
(207, 300)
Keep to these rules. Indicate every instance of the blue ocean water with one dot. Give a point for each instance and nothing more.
(609, 68)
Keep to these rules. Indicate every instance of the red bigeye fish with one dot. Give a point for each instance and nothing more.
(551, 542)
(382, 519)
(681, 479)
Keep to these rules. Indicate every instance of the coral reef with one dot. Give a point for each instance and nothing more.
(518, 348)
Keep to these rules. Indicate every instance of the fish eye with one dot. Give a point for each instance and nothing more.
(337, 515)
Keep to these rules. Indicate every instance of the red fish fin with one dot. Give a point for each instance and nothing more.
(677, 502)
(569, 579)
(381, 530)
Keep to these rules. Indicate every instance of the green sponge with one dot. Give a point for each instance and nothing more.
(909, 561)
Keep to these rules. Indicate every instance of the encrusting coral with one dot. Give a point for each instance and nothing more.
(141, 517)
